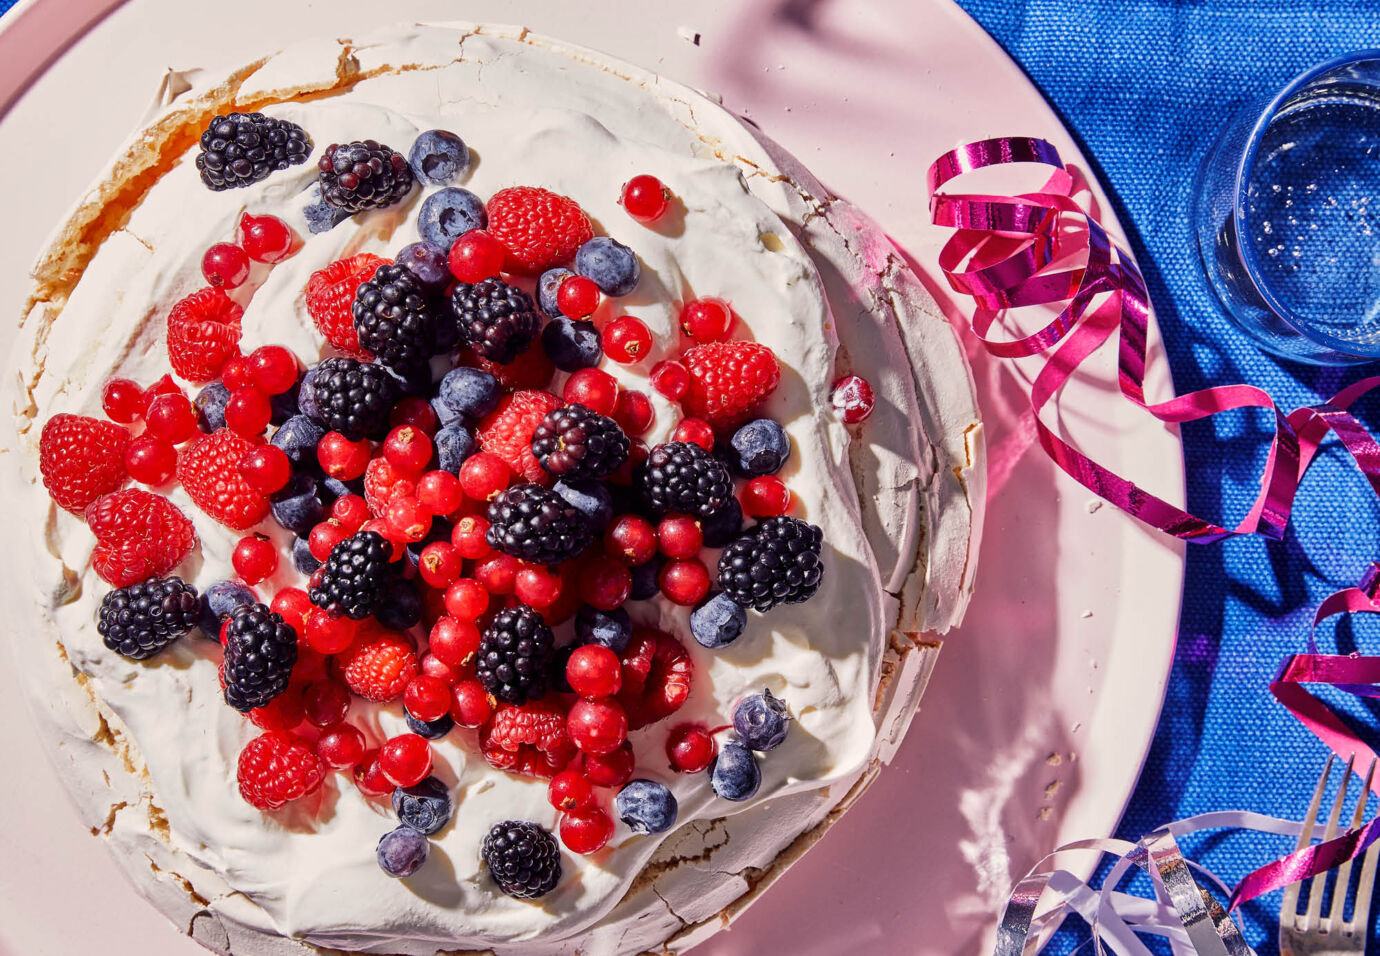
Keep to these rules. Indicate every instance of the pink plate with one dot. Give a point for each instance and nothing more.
(1042, 707)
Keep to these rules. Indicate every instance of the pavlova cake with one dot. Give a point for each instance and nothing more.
(476, 496)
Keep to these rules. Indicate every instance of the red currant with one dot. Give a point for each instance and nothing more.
(409, 521)
(497, 573)
(852, 397)
(439, 492)
(569, 790)
(644, 198)
(670, 378)
(341, 458)
(171, 418)
(537, 587)
(679, 536)
(324, 537)
(631, 539)
(266, 467)
(292, 604)
(605, 583)
(342, 747)
(426, 698)
(594, 671)
(225, 265)
(684, 582)
(150, 461)
(405, 760)
(690, 748)
(164, 386)
(470, 537)
(470, 705)
(248, 412)
(577, 297)
(368, 775)
(476, 256)
(706, 320)
(765, 496)
(611, 769)
(696, 431)
(266, 238)
(454, 641)
(483, 476)
(326, 702)
(593, 388)
(254, 558)
(633, 413)
(586, 832)
(351, 511)
(439, 669)
(466, 599)
(439, 565)
(597, 726)
(272, 369)
(408, 449)
(123, 400)
(627, 340)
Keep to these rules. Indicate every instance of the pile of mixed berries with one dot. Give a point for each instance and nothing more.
(450, 508)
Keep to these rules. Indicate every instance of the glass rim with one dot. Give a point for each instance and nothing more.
(1246, 163)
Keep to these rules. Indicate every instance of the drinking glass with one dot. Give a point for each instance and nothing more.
(1287, 215)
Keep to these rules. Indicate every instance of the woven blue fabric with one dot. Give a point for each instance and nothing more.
(1144, 86)
(5, 6)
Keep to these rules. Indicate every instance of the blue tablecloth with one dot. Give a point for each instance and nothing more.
(1144, 86)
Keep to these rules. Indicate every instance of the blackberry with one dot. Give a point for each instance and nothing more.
(523, 859)
(495, 319)
(358, 577)
(353, 397)
(682, 477)
(535, 524)
(394, 318)
(363, 175)
(260, 649)
(238, 149)
(515, 654)
(574, 442)
(139, 621)
(776, 562)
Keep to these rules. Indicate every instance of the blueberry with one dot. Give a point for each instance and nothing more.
(723, 525)
(571, 345)
(590, 497)
(444, 413)
(302, 559)
(734, 774)
(210, 406)
(645, 583)
(472, 392)
(760, 447)
(427, 261)
(762, 720)
(556, 679)
(438, 157)
(333, 488)
(283, 406)
(425, 806)
(646, 806)
(431, 730)
(547, 287)
(306, 394)
(219, 600)
(717, 622)
(298, 437)
(612, 265)
(321, 215)
(612, 629)
(402, 852)
(296, 506)
(412, 381)
(448, 214)
(454, 444)
(401, 607)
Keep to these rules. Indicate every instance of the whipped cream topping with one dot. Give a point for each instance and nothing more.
(533, 112)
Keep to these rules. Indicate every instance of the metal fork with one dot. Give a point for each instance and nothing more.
(1310, 933)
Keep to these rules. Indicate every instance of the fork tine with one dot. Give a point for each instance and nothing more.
(1334, 915)
(1315, 886)
(1360, 916)
(1289, 907)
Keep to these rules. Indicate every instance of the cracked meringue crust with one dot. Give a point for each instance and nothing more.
(148, 750)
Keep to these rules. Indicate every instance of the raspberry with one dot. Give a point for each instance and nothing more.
(507, 431)
(275, 768)
(529, 739)
(378, 668)
(209, 471)
(203, 333)
(384, 483)
(330, 293)
(728, 379)
(531, 369)
(139, 535)
(539, 228)
(657, 671)
(81, 459)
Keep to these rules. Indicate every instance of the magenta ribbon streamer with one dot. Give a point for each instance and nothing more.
(1010, 252)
